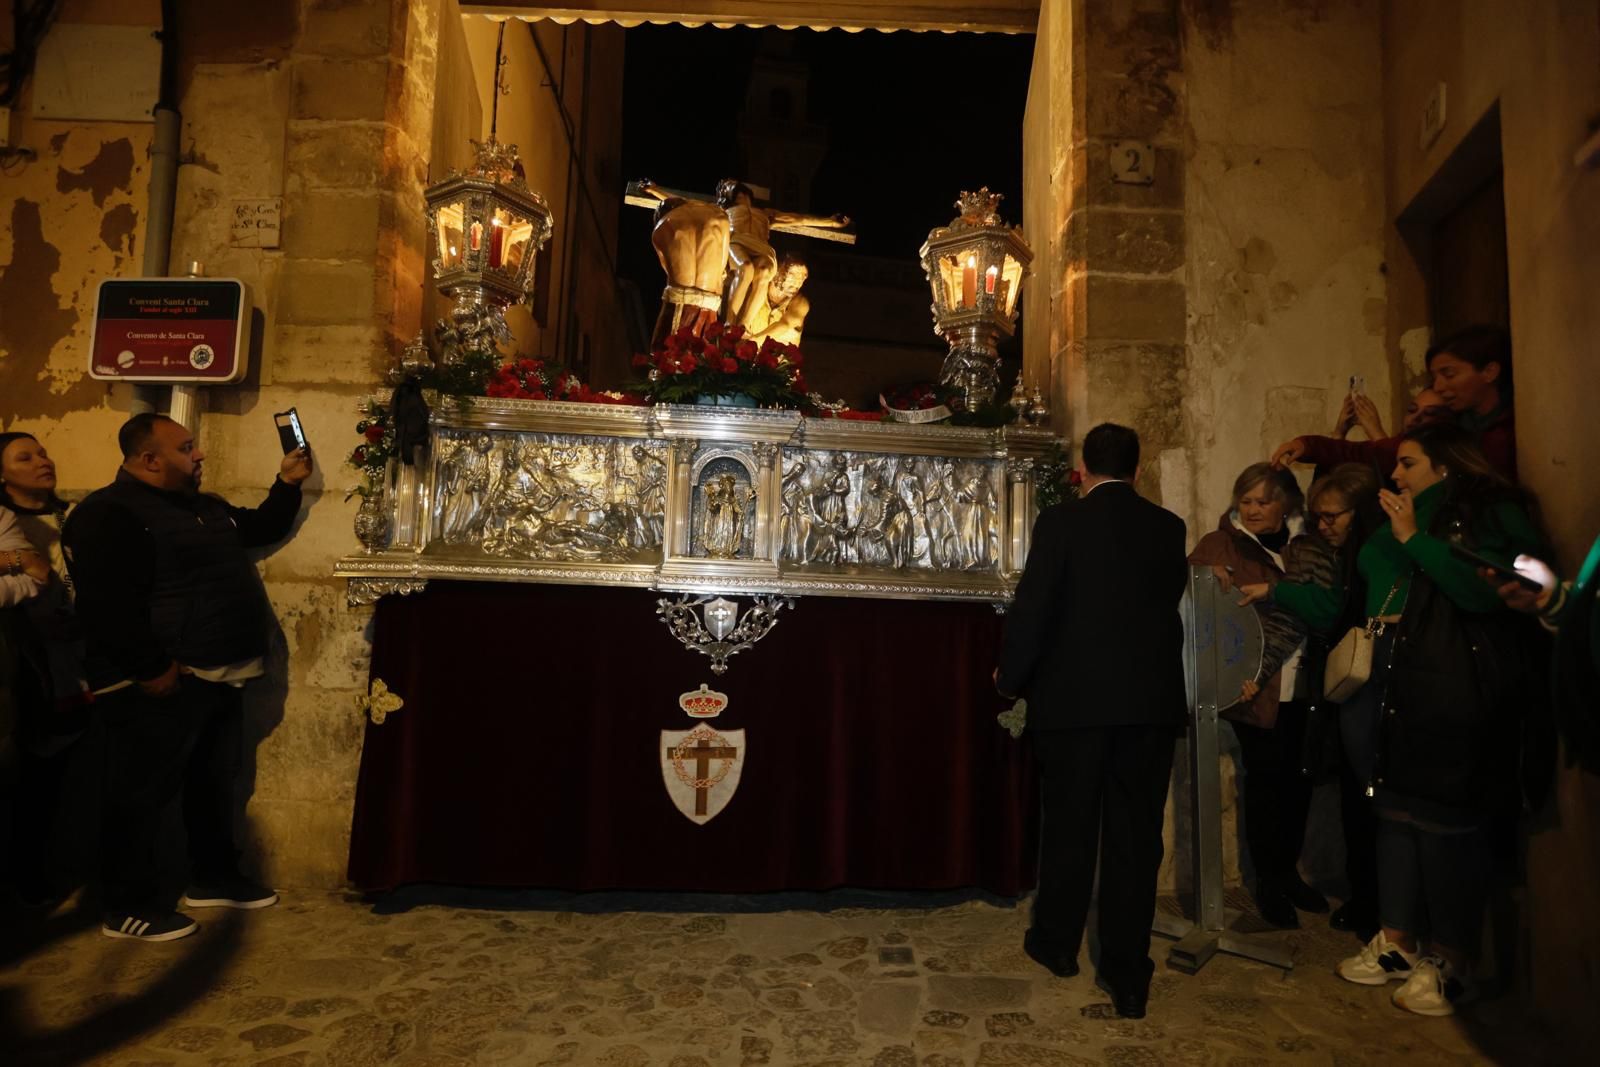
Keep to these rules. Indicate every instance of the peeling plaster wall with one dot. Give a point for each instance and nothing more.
(329, 105)
(1285, 217)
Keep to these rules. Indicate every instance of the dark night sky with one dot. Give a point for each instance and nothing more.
(911, 118)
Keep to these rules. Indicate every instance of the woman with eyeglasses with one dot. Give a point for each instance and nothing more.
(1343, 511)
(1452, 671)
(1261, 541)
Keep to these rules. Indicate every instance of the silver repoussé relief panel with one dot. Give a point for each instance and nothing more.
(904, 512)
(538, 496)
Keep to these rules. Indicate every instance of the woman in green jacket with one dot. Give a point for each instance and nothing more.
(1438, 716)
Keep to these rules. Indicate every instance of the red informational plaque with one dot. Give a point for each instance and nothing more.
(170, 330)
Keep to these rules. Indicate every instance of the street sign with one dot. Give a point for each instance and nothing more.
(170, 330)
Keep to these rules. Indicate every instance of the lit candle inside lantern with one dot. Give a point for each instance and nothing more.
(989, 277)
(497, 238)
(475, 235)
(969, 282)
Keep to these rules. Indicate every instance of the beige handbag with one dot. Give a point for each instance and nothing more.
(1350, 663)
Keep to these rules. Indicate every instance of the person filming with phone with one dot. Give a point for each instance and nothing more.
(1439, 719)
(175, 621)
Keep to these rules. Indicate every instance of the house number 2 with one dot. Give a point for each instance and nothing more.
(1133, 163)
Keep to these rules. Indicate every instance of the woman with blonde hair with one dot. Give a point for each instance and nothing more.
(1260, 542)
(1342, 512)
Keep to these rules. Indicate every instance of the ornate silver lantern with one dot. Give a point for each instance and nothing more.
(486, 228)
(975, 267)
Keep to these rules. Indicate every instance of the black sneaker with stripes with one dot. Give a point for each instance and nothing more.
(160, 926)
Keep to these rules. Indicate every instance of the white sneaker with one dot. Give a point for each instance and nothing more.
(1434, 988)
(1380, 961)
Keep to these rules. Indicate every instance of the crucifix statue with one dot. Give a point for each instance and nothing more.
(689, 231)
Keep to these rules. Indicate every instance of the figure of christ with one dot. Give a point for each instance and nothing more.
(691, 241)
(752, 263)
(784, 315)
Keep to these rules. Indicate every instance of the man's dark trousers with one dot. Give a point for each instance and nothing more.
(157, 749)
(1104, 792)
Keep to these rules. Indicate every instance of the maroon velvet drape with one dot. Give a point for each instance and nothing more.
(527, 752)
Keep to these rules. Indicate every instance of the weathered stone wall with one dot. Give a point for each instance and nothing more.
(1283, 205)
(1535, 63)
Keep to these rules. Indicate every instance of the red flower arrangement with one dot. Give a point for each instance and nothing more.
(722, 362)
(530, 379)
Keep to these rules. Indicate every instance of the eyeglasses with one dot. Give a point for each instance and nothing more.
(1330, 517)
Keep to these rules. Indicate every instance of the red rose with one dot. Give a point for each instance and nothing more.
(688, 363)
(641, 361)
(713, 331)
(768, 360)
(730, 365)
(792, 356)
(374, 434)
(735, 332)
(746, 351)
(1075, 478)
(359, 456)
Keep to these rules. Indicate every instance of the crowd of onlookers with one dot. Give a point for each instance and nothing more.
(1413, 563)
(1416, 646)
(129, 626)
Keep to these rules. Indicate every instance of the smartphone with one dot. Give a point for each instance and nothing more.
(1358, 383)
(290, 433)
(1500, 570)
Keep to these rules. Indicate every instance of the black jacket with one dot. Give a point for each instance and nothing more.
(1463, 689)
(164, 576)
(1094, 637)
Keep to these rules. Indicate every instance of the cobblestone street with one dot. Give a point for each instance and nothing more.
(491, 979)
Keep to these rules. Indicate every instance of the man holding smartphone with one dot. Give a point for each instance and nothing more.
(175, 620)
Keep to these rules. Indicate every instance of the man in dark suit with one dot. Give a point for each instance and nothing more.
(1095, 643)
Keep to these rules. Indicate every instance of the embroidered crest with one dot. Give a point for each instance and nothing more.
(379, 702)
(701, 769)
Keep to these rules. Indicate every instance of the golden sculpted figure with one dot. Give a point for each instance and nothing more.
(752, 264)
(726, 504)
(691, 241)
(784, 316)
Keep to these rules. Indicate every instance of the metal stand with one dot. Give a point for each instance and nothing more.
(1222, 648)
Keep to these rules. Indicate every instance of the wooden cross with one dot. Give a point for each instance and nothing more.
(637, 197)
(703, 752)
